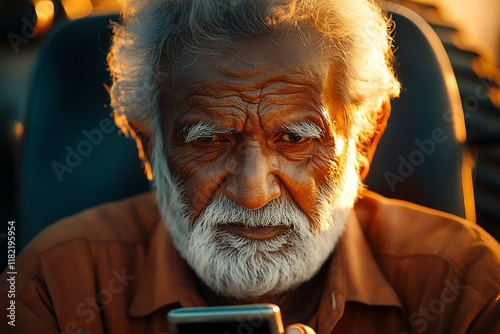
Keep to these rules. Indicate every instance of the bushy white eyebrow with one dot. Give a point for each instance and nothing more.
(202, 130)
(306, 129)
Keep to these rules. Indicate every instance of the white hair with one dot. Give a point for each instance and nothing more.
(155, 34)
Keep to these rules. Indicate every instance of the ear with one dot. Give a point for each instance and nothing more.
(142, 137)
(369, 146)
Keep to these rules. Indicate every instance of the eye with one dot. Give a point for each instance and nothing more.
(208, 139)
(211, 141)
(293, 138)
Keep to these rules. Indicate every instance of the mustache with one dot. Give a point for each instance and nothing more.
(224, 211)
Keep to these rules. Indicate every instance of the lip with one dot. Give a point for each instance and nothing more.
(254, 233)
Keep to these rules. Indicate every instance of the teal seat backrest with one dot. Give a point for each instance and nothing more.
(420, 157)
(72, 155)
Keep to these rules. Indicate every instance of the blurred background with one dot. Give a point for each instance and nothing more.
(469, 30)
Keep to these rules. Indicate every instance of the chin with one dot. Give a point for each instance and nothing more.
(251, 269)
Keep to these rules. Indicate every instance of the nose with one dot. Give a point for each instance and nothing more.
(253, 184)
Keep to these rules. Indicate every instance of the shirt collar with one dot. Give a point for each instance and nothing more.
(353, 276)
(365, 282)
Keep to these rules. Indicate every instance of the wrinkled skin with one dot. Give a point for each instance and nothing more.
(249, 96)
(255, 91)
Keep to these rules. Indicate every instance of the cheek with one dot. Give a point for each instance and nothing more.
(199, 178)
(304, 180)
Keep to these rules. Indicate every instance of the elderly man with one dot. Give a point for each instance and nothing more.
(257, 120)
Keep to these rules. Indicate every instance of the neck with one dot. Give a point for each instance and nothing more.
(297, 305)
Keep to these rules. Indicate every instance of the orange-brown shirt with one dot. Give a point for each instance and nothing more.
(399, 268)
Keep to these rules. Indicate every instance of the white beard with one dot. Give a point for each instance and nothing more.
(242, 268)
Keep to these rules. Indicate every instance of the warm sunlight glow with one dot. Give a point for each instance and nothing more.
(18, 130)
(44, 15)
(468, 186)
(106, 6)
(76, 9)
(456, 109)
(494, 94)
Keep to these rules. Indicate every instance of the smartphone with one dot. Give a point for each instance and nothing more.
(237, 319)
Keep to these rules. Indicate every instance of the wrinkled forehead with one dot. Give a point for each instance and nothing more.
(274, 54)
(267, 70)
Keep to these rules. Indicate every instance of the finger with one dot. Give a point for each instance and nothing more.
(299, 329)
